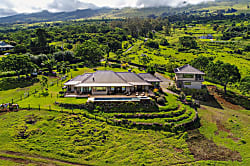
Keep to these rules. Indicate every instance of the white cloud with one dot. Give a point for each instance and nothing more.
(159, 3)
(6, 12)
(63, 5)
(28, 6)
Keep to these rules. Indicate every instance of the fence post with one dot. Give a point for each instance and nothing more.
(12, 101)
(29, 106)
(39, 107)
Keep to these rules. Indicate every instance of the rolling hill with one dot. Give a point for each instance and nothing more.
(46, 16)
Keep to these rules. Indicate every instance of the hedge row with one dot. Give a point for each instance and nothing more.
(152, 116)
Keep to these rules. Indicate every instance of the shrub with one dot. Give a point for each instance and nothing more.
(152, 44)
(164, 42)
(13, 83)
(45, 93)
(189, 98)
(8, 74)
(161, 100)
(243, 141)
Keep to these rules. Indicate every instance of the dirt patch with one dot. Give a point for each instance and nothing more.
(221, 127)
(213, 90)
(1, 113)
(40, 157)
(235, 139)
(205, 149)
(178, 150)
(21, 161)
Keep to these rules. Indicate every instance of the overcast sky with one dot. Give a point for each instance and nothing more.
(10, 7)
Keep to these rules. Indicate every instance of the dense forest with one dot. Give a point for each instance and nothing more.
(61, 45)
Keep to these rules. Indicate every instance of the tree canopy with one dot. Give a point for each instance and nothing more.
(90, 52)
(224, 73)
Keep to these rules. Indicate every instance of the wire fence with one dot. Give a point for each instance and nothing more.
(28, 93)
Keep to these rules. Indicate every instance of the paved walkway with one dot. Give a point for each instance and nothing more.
(165, 83)
(130, 48)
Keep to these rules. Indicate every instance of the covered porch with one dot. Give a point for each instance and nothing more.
(107, 90)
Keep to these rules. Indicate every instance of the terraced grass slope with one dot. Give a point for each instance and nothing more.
(173, 114)
(79, 140)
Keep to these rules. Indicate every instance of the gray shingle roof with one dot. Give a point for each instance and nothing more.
(110, 78)
(132, 78)
(105, 77)
(149, 77)
(79, 79)
(187, 69)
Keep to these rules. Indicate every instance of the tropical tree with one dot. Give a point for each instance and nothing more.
(49, 64)
(44, 82)
(187, 42)
(224, 73)
(21, 64)
(201, 62)
(90, 52)
(245, 85)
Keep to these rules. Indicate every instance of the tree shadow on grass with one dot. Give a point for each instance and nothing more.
(205, 149)
(211, 102)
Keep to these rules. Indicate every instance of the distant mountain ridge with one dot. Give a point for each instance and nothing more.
(46, 16)
(106, 12)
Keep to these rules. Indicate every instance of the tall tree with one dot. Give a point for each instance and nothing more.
(224, 73)
(201, 62)
(21, 64)
(90, 52)
(187, 42)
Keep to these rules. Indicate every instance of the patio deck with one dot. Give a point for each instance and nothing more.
(147, 94)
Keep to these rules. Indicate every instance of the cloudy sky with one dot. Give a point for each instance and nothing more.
(10, 7)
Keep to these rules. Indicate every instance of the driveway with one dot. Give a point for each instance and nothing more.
(165, 83)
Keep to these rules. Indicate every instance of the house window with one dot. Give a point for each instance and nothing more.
(188, 76)
(123, 88)
(99, 89)
(187, 83)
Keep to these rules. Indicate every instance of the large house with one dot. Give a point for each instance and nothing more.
(4, 46)
(111, 83)
(188, 77)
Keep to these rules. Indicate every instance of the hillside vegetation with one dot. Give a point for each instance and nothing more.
(189, 127)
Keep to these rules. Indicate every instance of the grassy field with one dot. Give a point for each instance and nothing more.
(38, 137)
(73, 138)
(77, 139)
(48, 137)
(227, 128)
